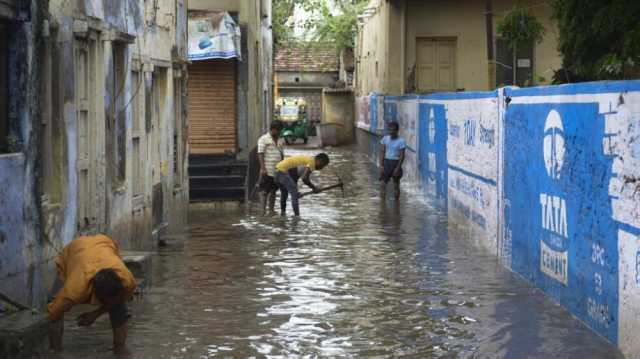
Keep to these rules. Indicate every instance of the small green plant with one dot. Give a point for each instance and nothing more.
(519, 27)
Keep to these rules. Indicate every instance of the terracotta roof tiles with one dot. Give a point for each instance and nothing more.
(306, 57)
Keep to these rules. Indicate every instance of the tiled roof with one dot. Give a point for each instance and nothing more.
(306, 57)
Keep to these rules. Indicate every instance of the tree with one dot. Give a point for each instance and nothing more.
(337, 24)
(282, 11)
(598, 39)
(329, 21)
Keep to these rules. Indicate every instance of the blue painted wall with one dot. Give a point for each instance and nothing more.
(432, 148)
(555, 179)
(11, 216)
(557, 186)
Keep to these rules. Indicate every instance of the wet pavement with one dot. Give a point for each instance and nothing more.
(354, 277)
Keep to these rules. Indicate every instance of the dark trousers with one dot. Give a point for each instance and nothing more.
(287, 186)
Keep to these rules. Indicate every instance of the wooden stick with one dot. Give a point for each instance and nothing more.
(321, 189)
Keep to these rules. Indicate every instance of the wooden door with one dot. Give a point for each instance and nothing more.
(435, 65)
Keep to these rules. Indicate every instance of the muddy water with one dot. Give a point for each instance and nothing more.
(354, 277)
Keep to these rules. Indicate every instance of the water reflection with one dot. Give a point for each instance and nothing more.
(354, 277)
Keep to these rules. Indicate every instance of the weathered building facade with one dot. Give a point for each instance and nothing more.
(242, 84)
(109, 143)
(21, 245)
(412, 46)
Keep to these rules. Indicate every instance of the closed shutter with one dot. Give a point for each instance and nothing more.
(212, 107)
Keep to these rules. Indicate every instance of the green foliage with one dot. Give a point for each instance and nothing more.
(330, 21)
(598, 39)
(338, 27)
(520, 27)
(282, 10)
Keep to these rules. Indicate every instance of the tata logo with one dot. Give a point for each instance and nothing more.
(553, 149)
(554, 256)
(432, 128)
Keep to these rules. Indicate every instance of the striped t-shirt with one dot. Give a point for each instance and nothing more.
(273, 152)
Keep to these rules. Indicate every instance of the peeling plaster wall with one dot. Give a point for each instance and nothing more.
(21, 247)
(547, 178)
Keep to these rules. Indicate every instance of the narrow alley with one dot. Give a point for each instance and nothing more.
(353, 277)
(143, 145)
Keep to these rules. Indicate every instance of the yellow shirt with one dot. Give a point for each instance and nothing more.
(78, 263)
(296, 161)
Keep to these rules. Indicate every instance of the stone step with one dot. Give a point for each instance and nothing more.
(217, 194)
(23, 335)
(201, 182)
(139, 263)
(218, 169)
(207, 159)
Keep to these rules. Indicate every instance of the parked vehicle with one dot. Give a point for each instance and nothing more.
(292, 112)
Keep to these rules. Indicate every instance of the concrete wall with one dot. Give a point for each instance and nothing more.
(337, 108)
(546, 178)
(386, 42)
(306, 79)
(371, 50)
(21, 246)
(255, 17)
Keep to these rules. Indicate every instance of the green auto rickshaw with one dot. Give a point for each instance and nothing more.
(292, 112)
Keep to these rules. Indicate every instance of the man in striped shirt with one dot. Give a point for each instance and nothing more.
(270, 152)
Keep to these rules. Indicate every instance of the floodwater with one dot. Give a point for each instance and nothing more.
(354, 277)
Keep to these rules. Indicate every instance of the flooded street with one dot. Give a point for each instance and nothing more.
(354, 277)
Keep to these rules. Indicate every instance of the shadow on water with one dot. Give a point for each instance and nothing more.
(354, 277)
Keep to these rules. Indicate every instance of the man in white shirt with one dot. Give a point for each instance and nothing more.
(270, 152)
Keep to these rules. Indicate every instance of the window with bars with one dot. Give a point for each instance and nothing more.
(514, 67)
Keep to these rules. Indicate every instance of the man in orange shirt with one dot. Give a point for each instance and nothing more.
(91, 271)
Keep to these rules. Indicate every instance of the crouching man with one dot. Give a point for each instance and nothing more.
(91, 271)
(288, 172)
